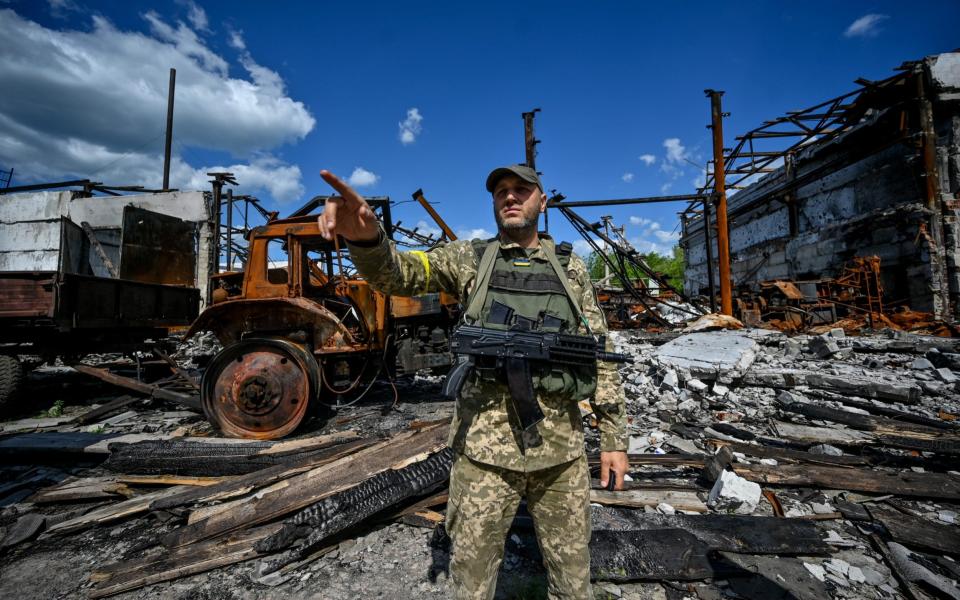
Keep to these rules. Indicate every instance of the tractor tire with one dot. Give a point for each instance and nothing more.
(11, 379)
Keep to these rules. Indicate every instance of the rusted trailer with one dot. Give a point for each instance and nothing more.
(297, 329)
(60, 295)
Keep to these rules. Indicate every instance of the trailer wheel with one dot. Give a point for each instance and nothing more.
(11, 378)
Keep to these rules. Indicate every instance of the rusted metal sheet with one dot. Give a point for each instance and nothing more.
(231, 319)
(157, 248)
(789, 289)
(427, 304)
(95, 302)
(26, 295)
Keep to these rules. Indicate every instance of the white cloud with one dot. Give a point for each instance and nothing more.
(184, 39)
(428, 229)
(60, 8)
(628, 177)
(363, 178)
(196, 15)
(665, 187)
(469, 234)
(641, 221)
(263, 174)
(866, 26)
(104, 94)
(676, 152)
(235, 39)
(648, 159)
(411, 127)
(582, 248)
(666, 236)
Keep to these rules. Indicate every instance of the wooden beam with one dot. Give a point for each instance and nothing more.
(307, 488)
(899, 483)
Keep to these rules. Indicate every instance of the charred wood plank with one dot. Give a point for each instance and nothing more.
(864, 387)
(105, 409)
(883, 410)
(899, 483)
(82, 489)
(114, 512)
(302, 490)
(314, 524)
(629, 545)
(917, 532)
(784, 455)
(23, 529)
(153, 391)
(822, 435)
(180, 456)
(652, 555)
(242, 484)
(131, 575)
(772, 578)
(885, 431)
(730, 533)
(883, 425)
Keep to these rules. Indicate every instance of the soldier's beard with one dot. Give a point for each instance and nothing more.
(521, 225)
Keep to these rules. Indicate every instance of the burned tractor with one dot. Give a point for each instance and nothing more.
(297, 329)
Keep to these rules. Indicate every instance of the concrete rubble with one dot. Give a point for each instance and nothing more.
(747, 424)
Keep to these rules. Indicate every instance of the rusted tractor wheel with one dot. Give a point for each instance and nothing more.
(259, 388)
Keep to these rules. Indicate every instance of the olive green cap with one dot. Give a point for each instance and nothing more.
(522, 171)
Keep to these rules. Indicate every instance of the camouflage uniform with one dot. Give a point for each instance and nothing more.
(497, 463)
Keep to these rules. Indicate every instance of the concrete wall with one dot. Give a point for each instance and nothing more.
(872, 203)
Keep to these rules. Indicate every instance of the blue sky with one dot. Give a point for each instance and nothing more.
(407, 95)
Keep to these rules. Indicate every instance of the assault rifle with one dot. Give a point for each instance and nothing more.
(514, 349)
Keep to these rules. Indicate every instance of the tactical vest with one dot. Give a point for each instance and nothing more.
(532, 289)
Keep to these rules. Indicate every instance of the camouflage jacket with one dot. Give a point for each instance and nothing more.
(482, 428)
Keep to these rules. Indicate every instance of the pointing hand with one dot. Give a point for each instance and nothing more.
(349, 215)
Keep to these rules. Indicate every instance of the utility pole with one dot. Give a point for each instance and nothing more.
(720, 193)
(169, 142)
(530, 146)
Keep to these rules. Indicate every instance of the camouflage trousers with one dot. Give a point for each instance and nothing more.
(483, 501)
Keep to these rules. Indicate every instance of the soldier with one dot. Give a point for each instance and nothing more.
(498, 463)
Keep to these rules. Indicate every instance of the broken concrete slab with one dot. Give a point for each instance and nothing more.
(707, 355)
(823, 346)
(732, 492)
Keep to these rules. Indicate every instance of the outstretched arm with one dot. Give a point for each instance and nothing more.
(377, 259)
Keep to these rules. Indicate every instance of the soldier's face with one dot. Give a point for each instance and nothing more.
(517, 204)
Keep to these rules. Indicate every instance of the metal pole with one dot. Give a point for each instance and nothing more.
(719, 189)
(709, 246)
(529, 140)
(166, 149)
(230, 229)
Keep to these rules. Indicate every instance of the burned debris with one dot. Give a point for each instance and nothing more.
(802, 444)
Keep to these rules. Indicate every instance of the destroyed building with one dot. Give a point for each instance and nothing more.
(875, 172)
